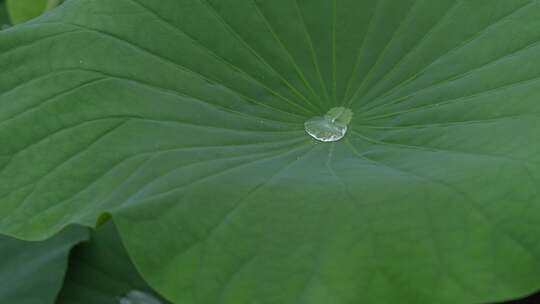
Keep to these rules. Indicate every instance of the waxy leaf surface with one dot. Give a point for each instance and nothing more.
(183, 120)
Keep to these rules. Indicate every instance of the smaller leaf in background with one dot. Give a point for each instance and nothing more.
(33, 272)
(100, 271)
(24, 10)
(52, 4)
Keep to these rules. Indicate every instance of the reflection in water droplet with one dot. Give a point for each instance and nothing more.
(330, 127)
(325, 130)
(138, 297)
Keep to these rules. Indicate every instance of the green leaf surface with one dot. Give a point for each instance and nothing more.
(23, 10)
(100, 271)
(33, 272)
(184, 121)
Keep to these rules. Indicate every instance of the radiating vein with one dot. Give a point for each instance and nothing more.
(381, 54)
(312, 49)
(458, 47)
(195, 73)
(216, 56)
(241, 40)
(475, 154)
(360, 52)
(466, 198)
(286, 50)
(438, 104)
(440, 22)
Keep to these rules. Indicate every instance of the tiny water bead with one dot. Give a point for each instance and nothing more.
(138, 297)
(330, 127)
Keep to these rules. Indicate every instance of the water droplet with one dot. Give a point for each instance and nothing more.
(138, 297)
(330, 127)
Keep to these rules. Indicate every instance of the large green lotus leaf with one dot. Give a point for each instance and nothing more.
(100, 271)
(183, 121)
(33, 272)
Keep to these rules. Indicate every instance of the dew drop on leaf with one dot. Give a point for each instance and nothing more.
(138, 297)
(330, 127)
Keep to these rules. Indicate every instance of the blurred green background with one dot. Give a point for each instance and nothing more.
(4, 19)
(18, 11)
